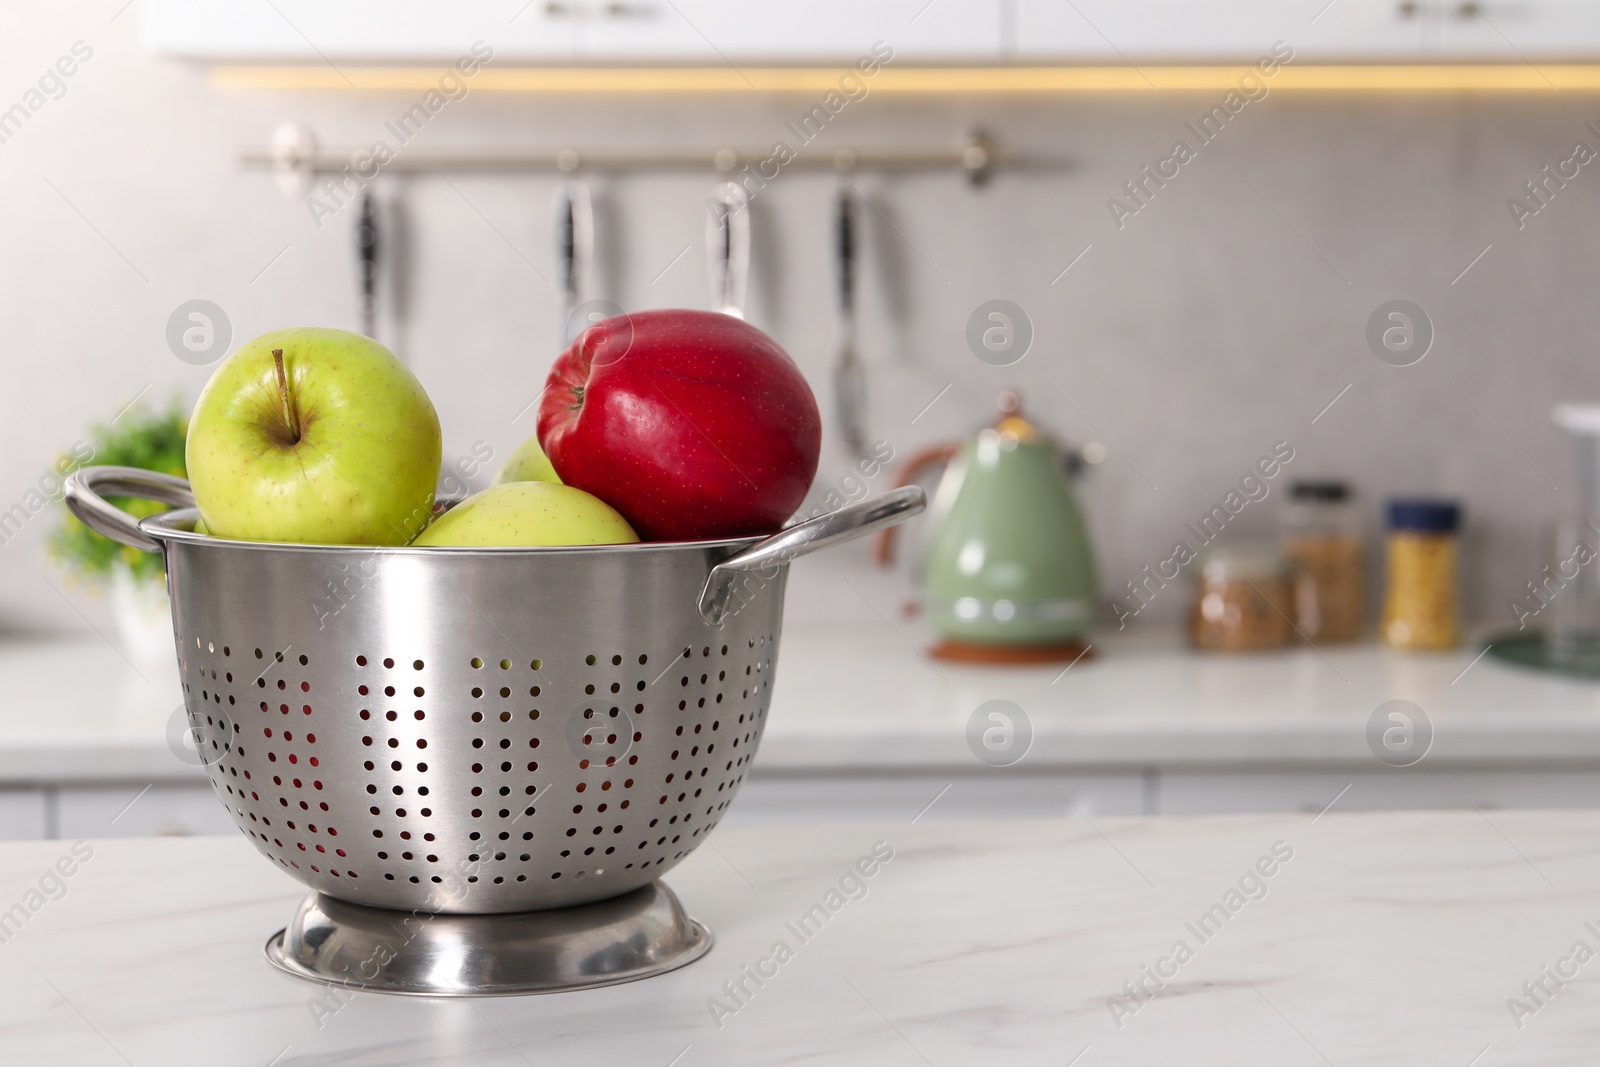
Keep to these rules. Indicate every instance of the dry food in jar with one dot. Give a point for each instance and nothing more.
(1330, 585)
(1421, 606)
(1243, 601)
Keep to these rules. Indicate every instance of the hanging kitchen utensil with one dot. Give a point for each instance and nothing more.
(728, 248)
(1009, 575)
(574, 253)
(491, 749)
(367, 264)
(849, 377)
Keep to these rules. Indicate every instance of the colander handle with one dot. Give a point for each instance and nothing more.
(768, 556)
(86, 490)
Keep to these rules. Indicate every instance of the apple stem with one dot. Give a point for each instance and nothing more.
(283, 396)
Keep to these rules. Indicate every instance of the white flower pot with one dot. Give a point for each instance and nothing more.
(143, 613)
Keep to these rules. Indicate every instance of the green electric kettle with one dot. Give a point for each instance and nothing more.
(1009, 573)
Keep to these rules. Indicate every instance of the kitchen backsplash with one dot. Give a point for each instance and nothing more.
(1192, 314)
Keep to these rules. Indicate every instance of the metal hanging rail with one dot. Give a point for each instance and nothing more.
(295, 153)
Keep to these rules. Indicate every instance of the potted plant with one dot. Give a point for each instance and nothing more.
(136, 580)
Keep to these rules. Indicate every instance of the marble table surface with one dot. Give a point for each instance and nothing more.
(1460, 939)
(865, 699)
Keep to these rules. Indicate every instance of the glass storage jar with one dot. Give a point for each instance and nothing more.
(1322, 539)
(1243, 601)
(1421, 604)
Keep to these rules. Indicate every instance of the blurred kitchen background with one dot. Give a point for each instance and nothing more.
(1228, 313)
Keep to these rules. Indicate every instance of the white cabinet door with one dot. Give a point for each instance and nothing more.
(314, 31)
(1119, 31)
(1310, 792)
(1513, 31)
(125, 811)
(933, 798)
(825, 31)
(22, 814)
(600, 31)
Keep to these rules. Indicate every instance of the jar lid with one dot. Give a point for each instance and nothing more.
(1243, 561)
(1322, 492)
(1427, 516)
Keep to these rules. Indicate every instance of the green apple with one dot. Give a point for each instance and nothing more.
(315, 436)
(527, 464)
(529, 513)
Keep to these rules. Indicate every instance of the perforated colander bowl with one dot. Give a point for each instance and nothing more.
(473, 730)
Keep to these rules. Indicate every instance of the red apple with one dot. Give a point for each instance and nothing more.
(693, 424)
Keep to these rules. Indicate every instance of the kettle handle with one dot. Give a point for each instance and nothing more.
(883, 547)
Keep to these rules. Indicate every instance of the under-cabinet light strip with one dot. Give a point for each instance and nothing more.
(1522, 77)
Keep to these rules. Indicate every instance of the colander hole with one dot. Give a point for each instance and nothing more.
(417, 691)
(643, 659)
(589, 659)
(537, 664)
(505, 690)
(477, 663)
(505, 665)
(476, 692)
(388, 664)
(361, 661)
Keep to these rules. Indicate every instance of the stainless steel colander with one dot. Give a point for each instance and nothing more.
(473, 731)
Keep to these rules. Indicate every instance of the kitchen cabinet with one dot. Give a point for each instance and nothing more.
(130, 810)
(394, 31)
(1108, 31)
(1512, 30)
(625, 31)
(1210, 793)
(773, 798)
(717, 31)
(973, 32)
(23, 815)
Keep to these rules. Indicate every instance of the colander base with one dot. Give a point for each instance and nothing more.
(642, 933)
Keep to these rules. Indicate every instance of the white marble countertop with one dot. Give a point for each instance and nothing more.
(866, 699)
(1397, 938)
